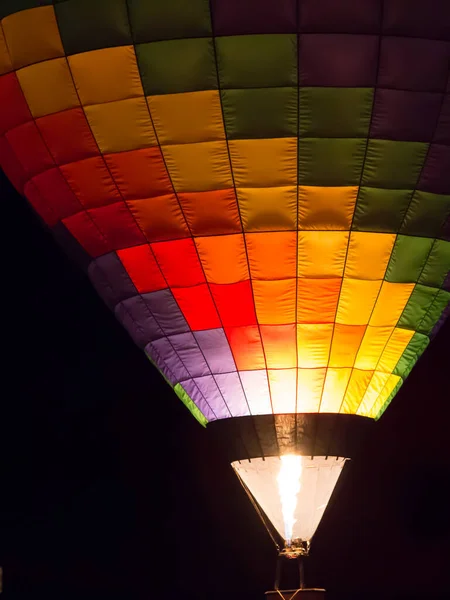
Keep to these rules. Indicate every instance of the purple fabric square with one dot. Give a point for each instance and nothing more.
(190, 354)
(208, 387)
(442, 135)
(167, 360)
(405, 116)
(445, 315)
(446, 285)
(413, 64)
(110, 279)
(340, 16)
(231, 388)
(234, 17)
(446, 230)
(436, 171)
(215, 347)
(338, 60)
(420, 18)
(135, 316)
(166, 312)
(199, 399)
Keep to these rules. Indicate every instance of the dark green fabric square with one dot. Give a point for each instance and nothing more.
(85, 25)
(413, 350)
(437, 265)
(380, 210)
(248, 61)
(260, 113)
(408, 258)
(434, 312)
(335, 112)
(416, 309)
(176, 66)
(155, 20)
(330, 161)
(426, 214)
(393, 164)
(9, 7)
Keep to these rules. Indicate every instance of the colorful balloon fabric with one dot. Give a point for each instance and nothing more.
(260, 188)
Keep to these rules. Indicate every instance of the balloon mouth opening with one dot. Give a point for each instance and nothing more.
(295, 548)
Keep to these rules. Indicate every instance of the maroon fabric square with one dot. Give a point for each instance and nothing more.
(340, 16)
(234, 17)
(435, 176)
(442, 135)
(420, 18)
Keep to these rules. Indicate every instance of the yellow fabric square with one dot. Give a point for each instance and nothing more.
(106, 75)
(223, 258)
(199, 167)
(345, 345)
(309, 389)
(326, 207)
(48, 87)
(187, 118)
(372, 347)
(357, 386)
(282, 386)
(373, 391)
(394, 349)
(5, 59)
(336, 382)
(382, 398)
(391, 301)
(368, 254)
(268, 209)
(272, 255)
(321, 253)
(32, 36)
(121, 126)
(264, 162)
(313, 345)
(356, 301)
(274, 301)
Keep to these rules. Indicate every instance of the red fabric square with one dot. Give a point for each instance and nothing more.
(235, 304)
(40, 205)
(26, 142)
(11, 166)
(143, 269)
(197, 307)
(118, 225)
(57, 194)
(15, 109)
(82, 227)
(140, 173)
(246, 346)
(68, 136)
(179, 262)
(91, 182)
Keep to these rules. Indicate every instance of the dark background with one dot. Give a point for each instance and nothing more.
(110, 489)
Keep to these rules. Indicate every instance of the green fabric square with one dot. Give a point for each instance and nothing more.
(155, 20)
(434, 312)
(426, 214)
(413, 350)
(176, 66)
(260, 113)
(249, 61)
(418, 305)
(389, 400)
(85, 25)
(438, 264)
(9, 7)
(335, 112)
(190, 404)
(408, 258)
(330, 161)
(380, 210)
(393, 164)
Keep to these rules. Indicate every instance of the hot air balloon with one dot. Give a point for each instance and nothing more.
(260, 191)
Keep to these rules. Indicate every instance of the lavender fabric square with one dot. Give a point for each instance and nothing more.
(190, 354)
(233, 393)
(199, 399)
(110, 279)
(166, 312)
(214, 345)
(135, 316)
(167, 360)
(208, 387)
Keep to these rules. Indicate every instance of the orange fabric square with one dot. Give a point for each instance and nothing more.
(246, 346)
(88, 234)
(179, 263)
(345, 345)
(141, 266)
(326, 207)
(223, 258)
(76, 144)
(313, 345)
(234, 303)
(160, 218)
(317, 300)
(322, 253)
(209, 213)
(27, 145)
(283, 387)
(118, 225)
(275, 301)
(197, 307)
(272, 255)
(91, 182)
(279, 344)
(140, 174)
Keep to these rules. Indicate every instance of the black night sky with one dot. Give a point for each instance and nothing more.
(110, 489)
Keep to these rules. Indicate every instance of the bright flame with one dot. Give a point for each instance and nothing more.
(288, 488)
